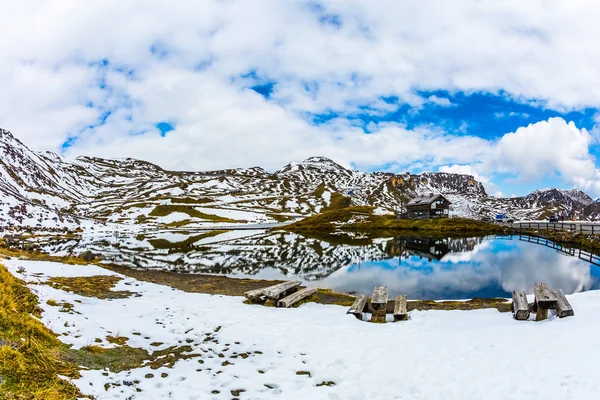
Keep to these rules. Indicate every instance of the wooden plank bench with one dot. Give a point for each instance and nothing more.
(544, 301)
(563, 307)
(272, 292)
(358, 307)
(296, 297)
(400, 311)
(379, 303)
(520, 308)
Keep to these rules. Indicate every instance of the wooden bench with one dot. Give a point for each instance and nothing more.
(296, 297)
(400, 311)
(544, 301)
(563, 307)
(520, 308)
(379, 303)
(358, 307)
(272, 292)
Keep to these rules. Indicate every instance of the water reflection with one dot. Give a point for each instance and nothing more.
(421, 267)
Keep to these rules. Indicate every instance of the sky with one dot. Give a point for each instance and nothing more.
(506, 91)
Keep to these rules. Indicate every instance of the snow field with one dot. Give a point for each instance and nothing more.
(446, 355)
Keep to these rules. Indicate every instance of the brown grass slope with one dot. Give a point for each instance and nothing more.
(31, 357)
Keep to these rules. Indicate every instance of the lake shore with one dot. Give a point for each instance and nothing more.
(231, 286)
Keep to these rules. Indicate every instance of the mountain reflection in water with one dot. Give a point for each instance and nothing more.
(420, 267)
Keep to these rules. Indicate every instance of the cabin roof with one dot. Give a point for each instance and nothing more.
(425, 200)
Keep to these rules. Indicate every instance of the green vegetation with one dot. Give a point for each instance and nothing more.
(362, 219)
(164, 210)
(31, 357)
(319, 190)
(338, 201)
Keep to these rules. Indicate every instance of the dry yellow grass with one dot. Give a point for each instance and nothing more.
(31, 357)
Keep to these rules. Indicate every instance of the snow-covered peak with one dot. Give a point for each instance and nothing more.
(553, 194)
(314, 165)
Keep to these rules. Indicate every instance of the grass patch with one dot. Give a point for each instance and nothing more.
(52, 303)
(345, 219)
(37, 256)
(319, 190)
(189, 200)
(125, 358)
(338, 201)
(279, 217)
(178, 224)
(118, 340)
(31, 357)
(164, 210)
(90, 286)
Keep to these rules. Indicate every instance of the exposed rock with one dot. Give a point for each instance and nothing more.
(88, 256)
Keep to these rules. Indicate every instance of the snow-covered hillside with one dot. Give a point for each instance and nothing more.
(45, 190)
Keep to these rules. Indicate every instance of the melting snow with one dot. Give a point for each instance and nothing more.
(267, 351)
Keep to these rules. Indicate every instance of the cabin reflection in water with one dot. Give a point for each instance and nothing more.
(429, 248)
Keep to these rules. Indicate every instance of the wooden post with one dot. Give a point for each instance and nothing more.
(541, 314)
(563, 307)
(544, 300)
(520, 308)
(400, 311)
(379, 303)
(358, 307)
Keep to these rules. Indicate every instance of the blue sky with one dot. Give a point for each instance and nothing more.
(480, 87)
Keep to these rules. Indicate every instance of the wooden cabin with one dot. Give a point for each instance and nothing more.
(428, 206)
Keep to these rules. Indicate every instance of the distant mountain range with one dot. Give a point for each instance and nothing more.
(45, 190)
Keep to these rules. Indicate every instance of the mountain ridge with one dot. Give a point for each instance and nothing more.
(45, 190)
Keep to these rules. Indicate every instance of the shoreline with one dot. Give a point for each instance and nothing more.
(231, 286)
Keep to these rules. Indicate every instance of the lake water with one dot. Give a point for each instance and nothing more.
(420, 267)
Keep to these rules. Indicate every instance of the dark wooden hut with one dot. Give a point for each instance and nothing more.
(428, 206)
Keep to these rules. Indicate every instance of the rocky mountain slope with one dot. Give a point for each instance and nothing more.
(45, 190)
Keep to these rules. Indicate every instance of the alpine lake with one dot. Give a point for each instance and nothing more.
(423, 268)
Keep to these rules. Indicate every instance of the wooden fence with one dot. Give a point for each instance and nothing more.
(588, 228)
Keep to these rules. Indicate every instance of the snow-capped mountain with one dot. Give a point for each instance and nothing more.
(45, 190)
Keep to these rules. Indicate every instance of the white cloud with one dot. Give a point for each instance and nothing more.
(440, 101)
(547, 147)
(55, 84)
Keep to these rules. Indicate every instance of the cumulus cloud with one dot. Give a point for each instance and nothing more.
(547, 147)
(103, 74)
(440, 101)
